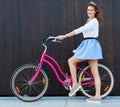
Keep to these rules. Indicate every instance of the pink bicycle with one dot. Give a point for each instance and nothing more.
(29, 82)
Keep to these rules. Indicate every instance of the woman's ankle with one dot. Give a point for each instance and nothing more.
(74, 84)
(97, 97)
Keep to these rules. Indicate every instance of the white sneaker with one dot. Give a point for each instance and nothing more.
(94, 100)
(74, 90)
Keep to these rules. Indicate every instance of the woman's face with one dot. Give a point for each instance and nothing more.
(91, 12)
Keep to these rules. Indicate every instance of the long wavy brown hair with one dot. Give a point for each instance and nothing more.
(97, 10)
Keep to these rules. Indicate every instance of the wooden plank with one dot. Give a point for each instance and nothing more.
(109, 33)
(24, 30)
(8, 44)
(16, 34)
(116, 39)
(2, 45)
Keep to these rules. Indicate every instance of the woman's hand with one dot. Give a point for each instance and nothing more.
(60, 37)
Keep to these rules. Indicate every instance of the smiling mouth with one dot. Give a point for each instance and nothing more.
(89, 14)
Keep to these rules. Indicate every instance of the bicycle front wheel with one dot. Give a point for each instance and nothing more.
(20, 83)
(107, 81)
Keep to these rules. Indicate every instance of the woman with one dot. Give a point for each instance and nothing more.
(89, 50)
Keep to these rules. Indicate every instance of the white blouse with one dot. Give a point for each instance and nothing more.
(90, 29)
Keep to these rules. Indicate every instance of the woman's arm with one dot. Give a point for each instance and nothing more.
(87, 27)
(61, 37)
(90, 25)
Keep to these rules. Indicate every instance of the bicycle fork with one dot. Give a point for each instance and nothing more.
(35, 75)
(38, 70)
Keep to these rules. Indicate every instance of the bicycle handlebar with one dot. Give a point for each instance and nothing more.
(52, 38)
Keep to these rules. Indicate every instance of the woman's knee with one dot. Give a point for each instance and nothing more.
(70, 60)
(73, 60)
(94, 67)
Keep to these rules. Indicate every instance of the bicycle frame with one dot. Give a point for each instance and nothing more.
(44, 59)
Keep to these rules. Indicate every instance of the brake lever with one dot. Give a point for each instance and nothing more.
(55, 40)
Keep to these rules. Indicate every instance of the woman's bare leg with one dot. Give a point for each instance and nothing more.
(94, 69)
(72, 62)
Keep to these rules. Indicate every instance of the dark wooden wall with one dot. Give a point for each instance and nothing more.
(23, 23)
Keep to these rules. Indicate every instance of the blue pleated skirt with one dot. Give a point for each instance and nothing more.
(89, 49)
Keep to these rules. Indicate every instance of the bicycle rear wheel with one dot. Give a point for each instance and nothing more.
(20, 83)
(107, 81)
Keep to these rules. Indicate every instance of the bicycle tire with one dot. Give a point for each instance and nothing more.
(107, 81)
(20, 83)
